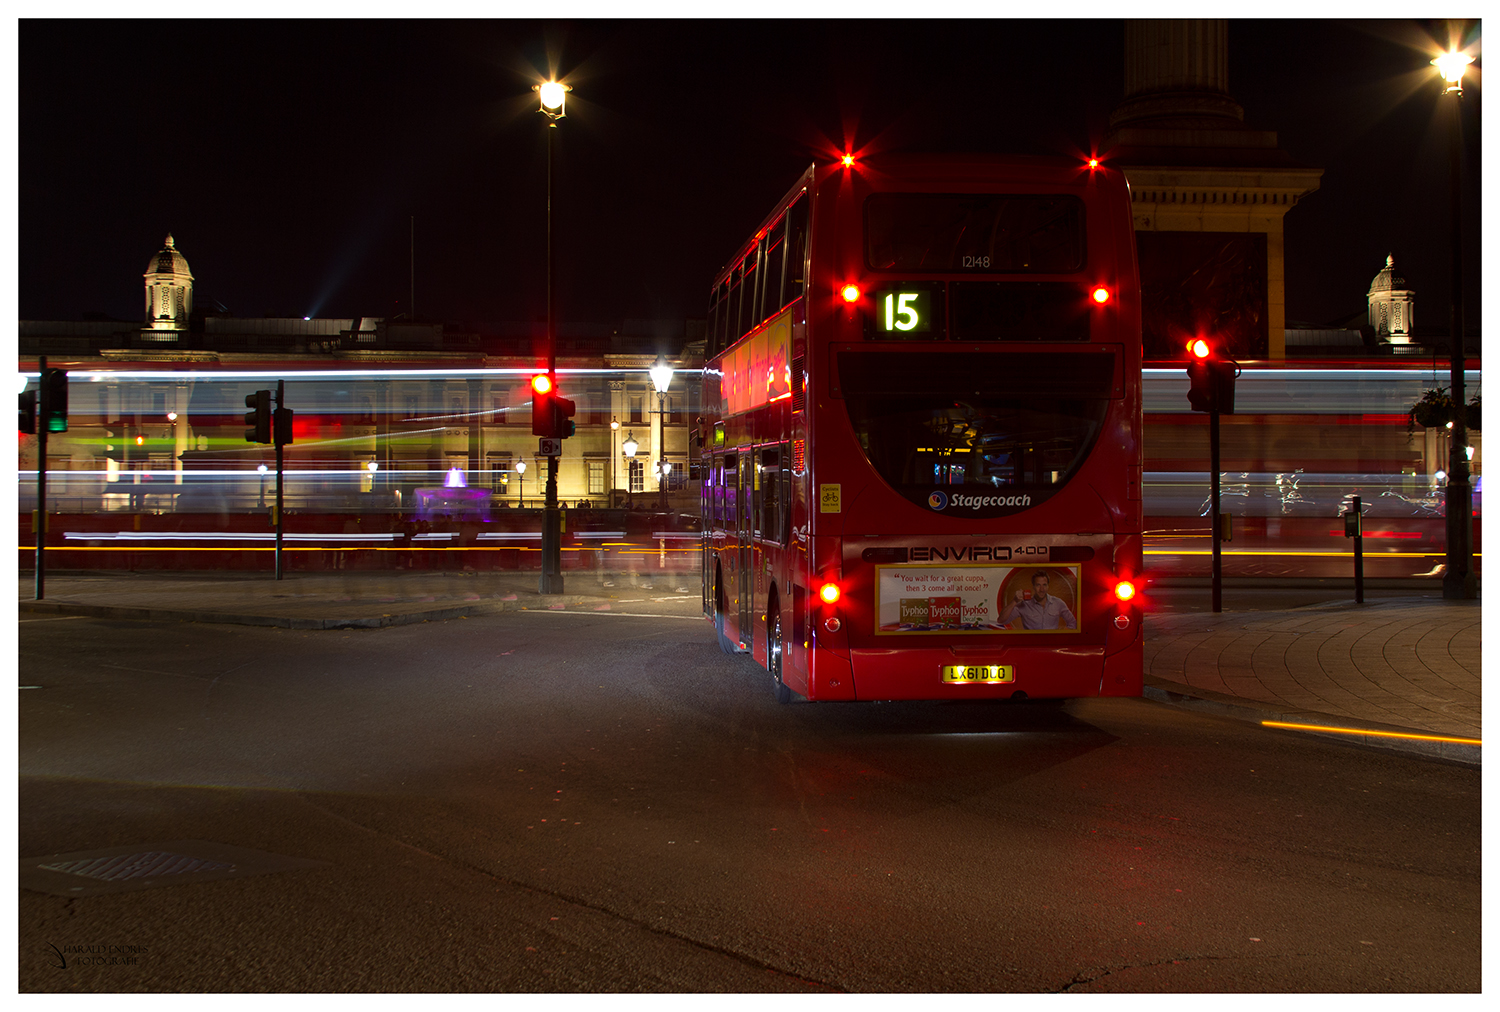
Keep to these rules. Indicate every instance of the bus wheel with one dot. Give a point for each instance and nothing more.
(773, 659)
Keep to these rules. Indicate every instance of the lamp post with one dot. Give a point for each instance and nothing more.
(521, 491)
(663, 469)
(554, 99)
(1458, 574)
(661, 378)
(629, 447)
(614, 429)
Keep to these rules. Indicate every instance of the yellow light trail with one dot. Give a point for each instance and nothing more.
(1375, 734)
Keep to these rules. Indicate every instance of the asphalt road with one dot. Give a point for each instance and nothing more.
(602, 801)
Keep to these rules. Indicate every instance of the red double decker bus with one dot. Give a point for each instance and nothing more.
(921, 438)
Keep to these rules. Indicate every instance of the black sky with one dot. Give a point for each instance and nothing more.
(288, 158)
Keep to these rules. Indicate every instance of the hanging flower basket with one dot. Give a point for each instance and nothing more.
(1472, 415)
(1434, 409)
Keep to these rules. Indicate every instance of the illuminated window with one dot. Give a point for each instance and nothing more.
(596, 477)
(637, 476)
(635, 410)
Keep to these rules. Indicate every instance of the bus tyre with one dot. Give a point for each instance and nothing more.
(773, 659)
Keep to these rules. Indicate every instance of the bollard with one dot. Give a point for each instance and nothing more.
(1354, 528)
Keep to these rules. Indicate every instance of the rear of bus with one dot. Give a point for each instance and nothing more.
(973, 507)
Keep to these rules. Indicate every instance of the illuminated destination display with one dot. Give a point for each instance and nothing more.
(903, 312)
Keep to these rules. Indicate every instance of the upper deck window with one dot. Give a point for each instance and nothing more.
(974, 233)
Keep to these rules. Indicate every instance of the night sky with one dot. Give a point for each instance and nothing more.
(288, 158)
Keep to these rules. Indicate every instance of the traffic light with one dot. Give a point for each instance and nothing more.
(54, 400)
(28, 412)
(283, 426)
(258, 418)
(542, 420)
(562, 417)
(1210, 379)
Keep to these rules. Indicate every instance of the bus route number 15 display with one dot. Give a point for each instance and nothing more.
(903, 312)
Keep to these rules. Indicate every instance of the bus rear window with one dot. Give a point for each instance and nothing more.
(974, 233)
(991, 424)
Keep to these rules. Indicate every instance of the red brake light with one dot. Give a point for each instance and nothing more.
(1124, 590)
(830, 593)
(1101, 295)
(850, 293)
(541, 383)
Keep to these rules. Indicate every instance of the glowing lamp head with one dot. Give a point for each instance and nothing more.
(520, 467)
(1124, 591)
(1451, 65)
(1100, 295)
(541, 383)
(1199, 348)
(554, 95)
(849, 293)
(372, 466)
(829, 593)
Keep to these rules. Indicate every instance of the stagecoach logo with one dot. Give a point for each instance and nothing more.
(940, 500)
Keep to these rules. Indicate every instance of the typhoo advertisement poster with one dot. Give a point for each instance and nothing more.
(913, 600)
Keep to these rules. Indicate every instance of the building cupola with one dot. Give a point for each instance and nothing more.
(1391, 304)
(169, 290)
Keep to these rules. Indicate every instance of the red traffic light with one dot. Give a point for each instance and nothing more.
(541, 383)
(1199, 348)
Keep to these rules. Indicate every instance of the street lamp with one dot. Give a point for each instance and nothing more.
(629, 447)
(614, 430)
(1458, 573)
(663, 469)
(521, 492)
(661, 378)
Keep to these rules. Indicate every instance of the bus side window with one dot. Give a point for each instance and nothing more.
(770, 496)
(730, 493)
(775, 248)
(796, 249)
(785, 528)
(713, 322)
(732, 329)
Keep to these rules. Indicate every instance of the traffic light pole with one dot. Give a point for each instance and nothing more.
(42, 404)
(1213, 465)
(280, 473)
(552, 577)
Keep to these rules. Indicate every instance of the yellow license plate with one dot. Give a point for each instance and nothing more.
(987, 673)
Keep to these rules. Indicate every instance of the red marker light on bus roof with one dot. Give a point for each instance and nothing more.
(1093, 163)
(1100, 295)
(1199, 348)
(847, 160)
(541, 383)
(830, 593)
(850, 293)
(1124, 590)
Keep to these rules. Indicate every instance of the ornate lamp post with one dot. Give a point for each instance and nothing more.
(1458, 574)
(661, 379)
(521, 492)
(629, 447)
